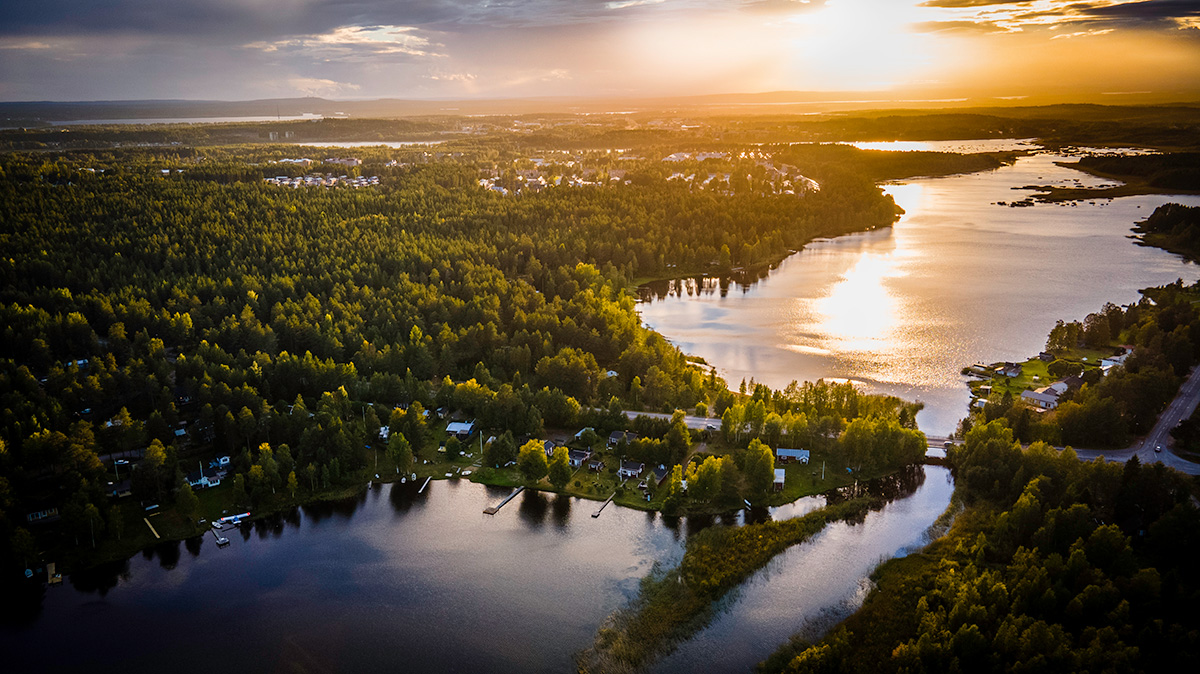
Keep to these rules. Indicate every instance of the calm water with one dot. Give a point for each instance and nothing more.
(811, 586)
(390, 580)
(901, 310)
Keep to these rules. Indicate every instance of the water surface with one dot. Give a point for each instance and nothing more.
(901, 310)
(811, 586)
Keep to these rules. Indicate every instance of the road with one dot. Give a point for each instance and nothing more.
(1160, 436)
(694, 423)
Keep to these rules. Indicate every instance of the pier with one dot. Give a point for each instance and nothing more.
(602, 505)
(147, 521)
(422, 489)
(492, 510)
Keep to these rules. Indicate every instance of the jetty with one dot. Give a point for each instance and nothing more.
(602, 505)
(147, 521)
(422, 489)
(492, 510)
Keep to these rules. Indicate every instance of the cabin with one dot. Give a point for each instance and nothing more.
(797, 455)
(576, 457)
(617, 437)
(780, 475)
(44, 513)
(549, 446)
(630, 469)
(596, 465)
(579, 434)
(660, 473)
(461, 429)
(1009, 370)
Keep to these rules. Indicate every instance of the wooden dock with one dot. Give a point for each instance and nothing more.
(147, 521)
(492, 510)
(602, 505)
(422, 489)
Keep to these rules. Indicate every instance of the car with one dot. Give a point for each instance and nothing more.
(1158, 448)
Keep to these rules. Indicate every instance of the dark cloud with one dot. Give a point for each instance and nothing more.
(1151, 10)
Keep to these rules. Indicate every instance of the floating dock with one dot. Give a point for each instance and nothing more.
(602, 505)
(147, 521)
(422, 489)
(492, 510)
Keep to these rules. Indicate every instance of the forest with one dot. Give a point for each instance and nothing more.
(1052, 565)
(168, 305)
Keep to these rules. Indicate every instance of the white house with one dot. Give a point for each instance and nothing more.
(1041, 398)
(798, 455)
(461, 429)
(631, 469)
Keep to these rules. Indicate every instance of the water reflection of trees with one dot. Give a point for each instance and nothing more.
(693, 286)
(404, 497)
(898, 485)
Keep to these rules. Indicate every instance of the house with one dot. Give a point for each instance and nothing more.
(384, 432)
(1113, 361)
(660, 473)
(1045, 357)
(576, 457)
(596, 465)
(579, 434)
(1057, 388)
(119, 489)
(549, 446)
(779, 478)
(617, 437)
(798, 455)
(631, 469)
(461, 429)
(206, 477)
(1009, 370)
(1074, 381)
(1040, 398)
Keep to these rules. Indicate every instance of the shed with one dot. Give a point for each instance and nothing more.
(779, 478)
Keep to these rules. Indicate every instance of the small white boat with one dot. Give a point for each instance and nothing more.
(403, 480)
(466, 473)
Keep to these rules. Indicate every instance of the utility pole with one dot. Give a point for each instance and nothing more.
(822, 470)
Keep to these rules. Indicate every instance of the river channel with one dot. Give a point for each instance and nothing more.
(396, 580)
(958, 280)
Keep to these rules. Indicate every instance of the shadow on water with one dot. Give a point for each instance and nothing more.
(533, 508)
(404, 497)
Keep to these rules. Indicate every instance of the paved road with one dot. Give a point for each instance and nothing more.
(694, 423)
(1160, 436)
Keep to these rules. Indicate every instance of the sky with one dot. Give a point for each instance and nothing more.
(461, 49)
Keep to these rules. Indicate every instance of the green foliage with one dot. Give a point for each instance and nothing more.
(531, 461)
(1056, 565)
(559, 470)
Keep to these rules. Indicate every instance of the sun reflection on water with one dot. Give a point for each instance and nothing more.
(859, 313)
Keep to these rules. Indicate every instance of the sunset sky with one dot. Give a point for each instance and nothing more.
(242, 49)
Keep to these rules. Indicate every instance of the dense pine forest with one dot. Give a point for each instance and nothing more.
(172, 305)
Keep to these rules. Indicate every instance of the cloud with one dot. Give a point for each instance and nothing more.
(353, 42)
(312, 86)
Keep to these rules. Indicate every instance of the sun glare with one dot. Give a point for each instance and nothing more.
(860, 44)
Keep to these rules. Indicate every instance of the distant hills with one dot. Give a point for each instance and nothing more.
(37, 113)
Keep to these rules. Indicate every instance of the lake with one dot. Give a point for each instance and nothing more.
(958, 280)
(392, 579)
